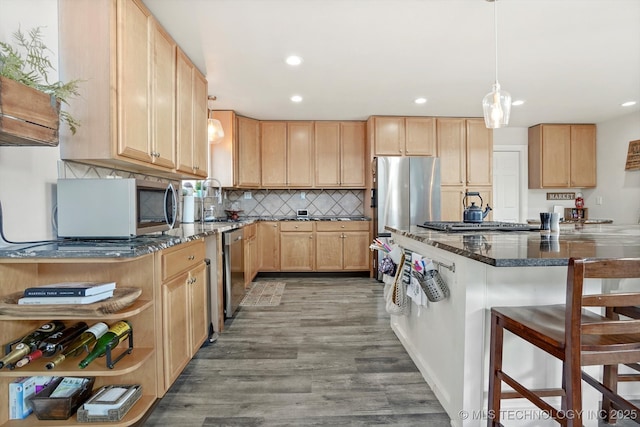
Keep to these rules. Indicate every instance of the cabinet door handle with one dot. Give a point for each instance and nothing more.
(191, 257)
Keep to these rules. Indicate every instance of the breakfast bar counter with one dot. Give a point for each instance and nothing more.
(449, 340)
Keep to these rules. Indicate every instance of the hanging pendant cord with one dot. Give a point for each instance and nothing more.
(495, 31)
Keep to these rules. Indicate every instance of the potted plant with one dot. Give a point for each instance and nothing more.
(30, 110)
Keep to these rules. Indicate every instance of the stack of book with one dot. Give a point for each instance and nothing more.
(68, 293)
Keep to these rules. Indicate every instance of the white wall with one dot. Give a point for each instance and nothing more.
(619, 189)
(27, 174)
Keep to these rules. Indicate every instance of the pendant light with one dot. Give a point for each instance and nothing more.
(497, 104)
(214, 127)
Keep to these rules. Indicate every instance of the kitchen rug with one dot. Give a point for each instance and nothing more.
(263, 294)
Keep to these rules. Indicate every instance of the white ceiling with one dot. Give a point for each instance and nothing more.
(571, 61)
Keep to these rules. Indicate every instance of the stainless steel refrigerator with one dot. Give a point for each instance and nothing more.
(406, 192)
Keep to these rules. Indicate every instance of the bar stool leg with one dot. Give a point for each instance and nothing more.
(573, 373)
(609, 380)
(495, 365)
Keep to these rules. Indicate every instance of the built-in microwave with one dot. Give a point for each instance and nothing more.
(114, 208)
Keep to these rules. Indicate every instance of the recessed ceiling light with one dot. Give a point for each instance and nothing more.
(629, 103)
(293, 60)
(518, 102)
(296, 98)
(420, 100)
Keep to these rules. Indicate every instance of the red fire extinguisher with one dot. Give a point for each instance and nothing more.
(579, 201)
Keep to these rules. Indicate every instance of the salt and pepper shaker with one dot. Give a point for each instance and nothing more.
(545, 222)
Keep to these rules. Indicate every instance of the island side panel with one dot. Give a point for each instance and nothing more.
(449, 340)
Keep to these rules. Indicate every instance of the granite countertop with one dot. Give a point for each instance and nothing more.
(576, 221)
(142, 245)
(530, 248)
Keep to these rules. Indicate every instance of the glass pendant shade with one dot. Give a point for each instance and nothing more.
(496, 106)
(214, 131)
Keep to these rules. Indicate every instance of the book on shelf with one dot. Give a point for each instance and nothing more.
(64, 289)
(65, 300)
(19, 393)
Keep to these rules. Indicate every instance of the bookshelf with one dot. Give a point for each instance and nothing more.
(139, 367)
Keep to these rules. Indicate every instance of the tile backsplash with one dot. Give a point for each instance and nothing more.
(261, 203)
(286, 202)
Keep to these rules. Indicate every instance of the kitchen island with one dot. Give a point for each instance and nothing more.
(449, 340)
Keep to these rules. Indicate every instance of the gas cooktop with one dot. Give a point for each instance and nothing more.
(477, 226)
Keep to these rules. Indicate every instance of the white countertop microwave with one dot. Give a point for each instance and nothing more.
(114, 208)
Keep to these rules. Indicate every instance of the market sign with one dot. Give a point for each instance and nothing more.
(561, 196)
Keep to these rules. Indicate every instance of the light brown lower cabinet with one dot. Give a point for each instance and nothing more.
(251, 260)
(184, 306)
(313, 246)
(268, 237)
(297, 248)
(342, 246)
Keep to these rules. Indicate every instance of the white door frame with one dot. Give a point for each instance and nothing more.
(524, 176)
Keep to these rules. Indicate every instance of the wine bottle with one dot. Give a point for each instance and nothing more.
(115, 335)
(54, 343)
(30, 342)
(88, 337)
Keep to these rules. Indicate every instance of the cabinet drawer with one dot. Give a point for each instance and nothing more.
(181, 258)
(296, 226)
(343, 226)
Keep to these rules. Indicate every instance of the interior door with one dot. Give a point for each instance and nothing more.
(506, 186)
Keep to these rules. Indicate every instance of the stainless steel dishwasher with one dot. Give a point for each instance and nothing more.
(233, 256)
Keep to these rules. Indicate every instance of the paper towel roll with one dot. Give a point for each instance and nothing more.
(559, 210)
(188, 204)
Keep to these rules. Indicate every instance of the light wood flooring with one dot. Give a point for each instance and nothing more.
(326, 356)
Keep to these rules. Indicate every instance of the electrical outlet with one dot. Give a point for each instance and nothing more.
(303, 195)
(599, 200)
(247, 195)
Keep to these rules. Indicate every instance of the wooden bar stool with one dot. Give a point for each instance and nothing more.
(575, 336)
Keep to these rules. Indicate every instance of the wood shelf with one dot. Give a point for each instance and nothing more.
(97, 368)
(135, 414)
(137, 307)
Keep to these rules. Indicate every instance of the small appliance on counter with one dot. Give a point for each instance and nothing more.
(474, 213)
(114, 208)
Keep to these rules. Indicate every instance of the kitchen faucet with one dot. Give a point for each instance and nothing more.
(217, 195)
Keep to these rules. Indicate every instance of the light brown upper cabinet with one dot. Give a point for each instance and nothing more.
(133, 104)
(562, 156)
(273, 150)
(286, 154)
(339, 154)
(248, 143)
(127, 108)
(465, 149)
(191, 101)
(163, 105)
(300, 154)
(404, 136)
